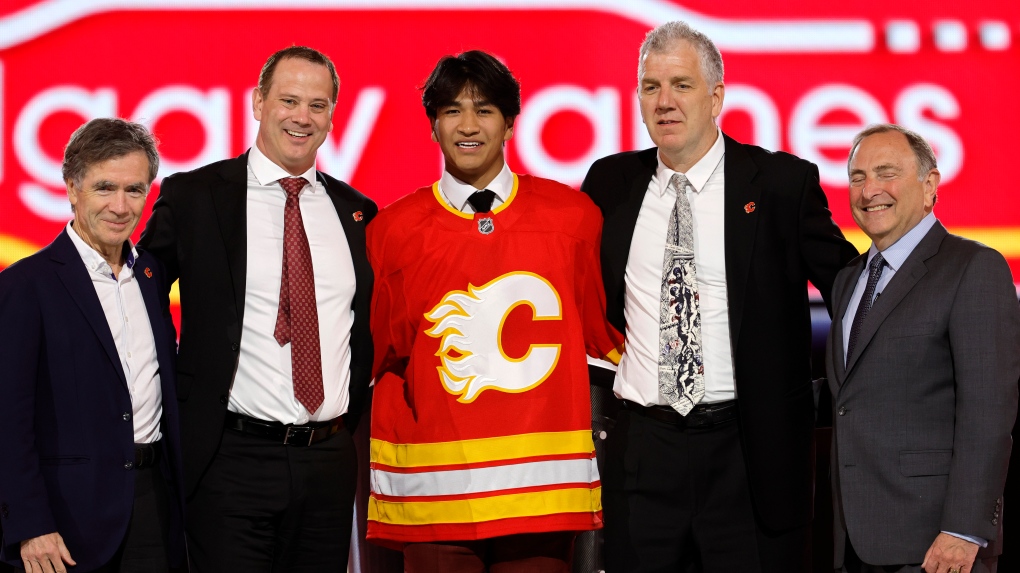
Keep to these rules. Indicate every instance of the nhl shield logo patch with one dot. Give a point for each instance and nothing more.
(486, 226)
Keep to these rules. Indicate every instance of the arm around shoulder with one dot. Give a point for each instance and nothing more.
(160, 234)
(824, 249)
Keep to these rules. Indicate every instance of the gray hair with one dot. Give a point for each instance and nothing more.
(103, 139)
(923, 154)
(661, 39)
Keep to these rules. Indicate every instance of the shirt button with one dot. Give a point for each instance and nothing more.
(129, 355)
(129, 465)
(235, 346)
(126, 416)
(842, 411)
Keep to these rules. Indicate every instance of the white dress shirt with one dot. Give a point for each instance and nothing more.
(128, 318)
(895, 255)
(456, 192)
(263, 386)
(637, 378)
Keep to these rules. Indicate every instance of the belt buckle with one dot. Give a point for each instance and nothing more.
(296, 431)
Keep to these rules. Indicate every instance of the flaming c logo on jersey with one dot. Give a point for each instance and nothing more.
(470, 324)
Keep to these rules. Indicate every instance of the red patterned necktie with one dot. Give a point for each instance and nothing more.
(298, 321)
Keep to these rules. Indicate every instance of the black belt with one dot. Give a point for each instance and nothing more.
(146, 455)
(701, 416)
(287, 434)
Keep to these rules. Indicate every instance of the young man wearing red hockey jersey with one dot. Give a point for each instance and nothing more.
(488, 298)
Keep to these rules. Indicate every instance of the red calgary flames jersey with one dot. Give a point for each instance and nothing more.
(481, 422)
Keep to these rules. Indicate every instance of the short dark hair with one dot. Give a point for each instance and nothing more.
(302, 53)
(478, 71)
(103, 139)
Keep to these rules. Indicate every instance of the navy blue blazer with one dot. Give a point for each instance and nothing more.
(66, 433)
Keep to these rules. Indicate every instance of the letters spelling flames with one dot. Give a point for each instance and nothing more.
(470, 325)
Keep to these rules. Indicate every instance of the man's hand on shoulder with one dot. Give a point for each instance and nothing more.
(45, 554)
(950, 554)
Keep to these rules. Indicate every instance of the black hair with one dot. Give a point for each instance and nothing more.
(478, 71)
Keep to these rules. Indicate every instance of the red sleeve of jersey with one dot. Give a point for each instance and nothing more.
(388, 315)
(601, 339)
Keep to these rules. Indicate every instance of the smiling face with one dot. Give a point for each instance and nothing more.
(471, 133)
(887, 198)
(678, 105)
(108, 204)
(295, 115)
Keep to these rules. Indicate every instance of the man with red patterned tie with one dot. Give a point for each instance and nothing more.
(275, 354)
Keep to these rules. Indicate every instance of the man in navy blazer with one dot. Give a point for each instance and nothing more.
(91, 469)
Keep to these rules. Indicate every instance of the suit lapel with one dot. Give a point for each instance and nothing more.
(621, 232)
(150, 296)
(906, 277)
(76, 280)
(621, 213)
(229, 200)
(739, 227)
(844, 288)
(350, 219)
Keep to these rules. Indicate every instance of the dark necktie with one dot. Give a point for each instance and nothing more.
(481, 201)
(297, 321)
(681, 366)
(875, 272)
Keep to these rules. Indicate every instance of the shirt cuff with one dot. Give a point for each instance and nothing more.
(977, 540)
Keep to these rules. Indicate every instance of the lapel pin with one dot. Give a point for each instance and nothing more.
(148, 273)
(358, 216)
(749, 208)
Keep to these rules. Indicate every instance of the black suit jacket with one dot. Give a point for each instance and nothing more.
(65, 409)
(198, 229)
(779, 234)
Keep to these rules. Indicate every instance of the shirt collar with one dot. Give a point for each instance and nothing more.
(266, 172)
(91, 257)
(699, 174)
(457, 192)
(898, 252)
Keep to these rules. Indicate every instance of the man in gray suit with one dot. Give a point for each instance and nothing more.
(924, 377)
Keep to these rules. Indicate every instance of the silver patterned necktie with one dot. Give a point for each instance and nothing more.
(681, 366)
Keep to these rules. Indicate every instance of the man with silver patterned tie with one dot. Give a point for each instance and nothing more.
(707, 248)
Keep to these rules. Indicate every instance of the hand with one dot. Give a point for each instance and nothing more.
(949, 553)
(45, 554)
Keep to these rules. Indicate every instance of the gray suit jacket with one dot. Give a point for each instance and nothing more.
(924, 409)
